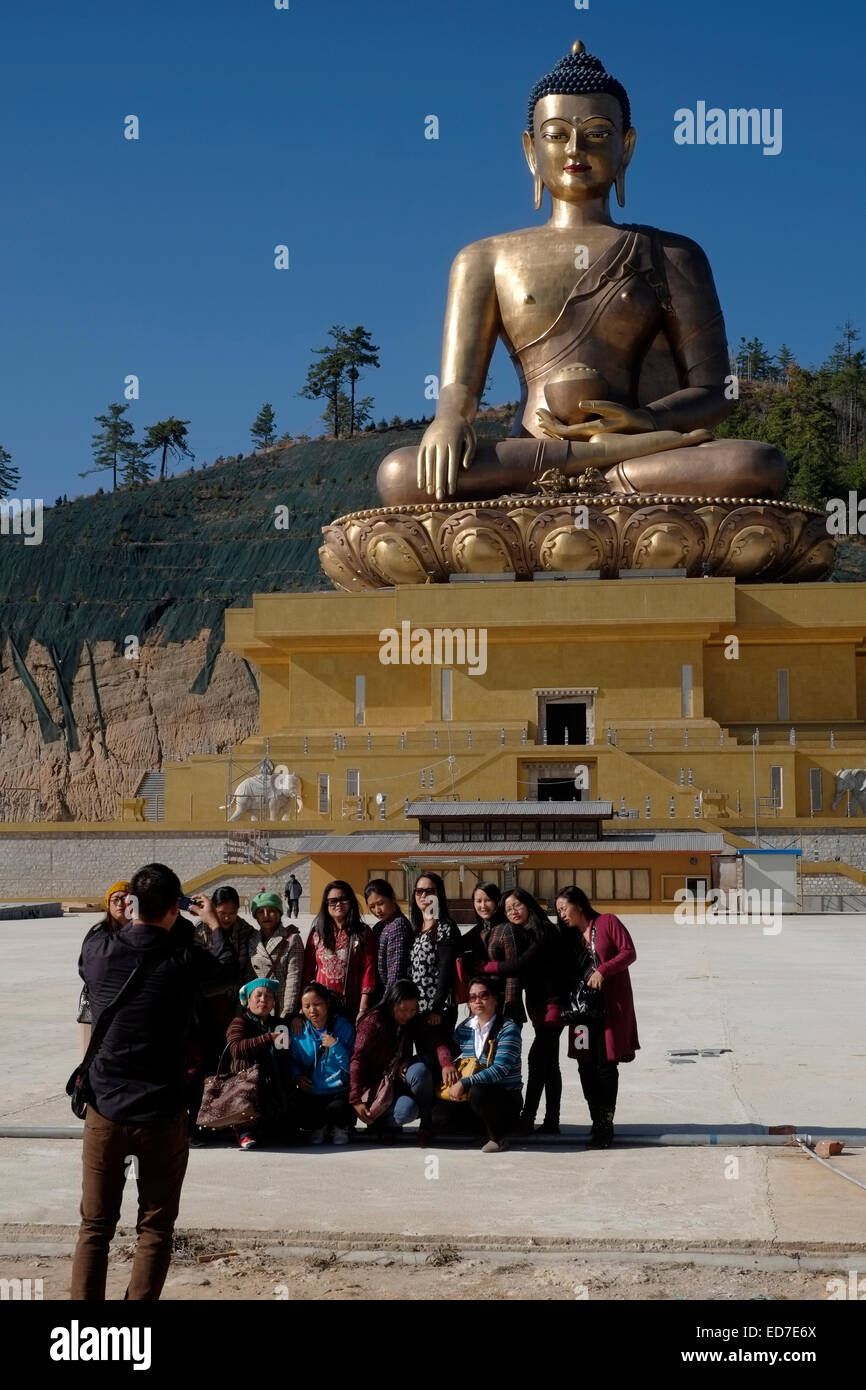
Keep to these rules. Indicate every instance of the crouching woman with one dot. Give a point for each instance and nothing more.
(387, 1088)
(481, 1089)
(253, 1036)
(321, 1057)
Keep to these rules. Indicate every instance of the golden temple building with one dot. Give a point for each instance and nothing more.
(628, 735)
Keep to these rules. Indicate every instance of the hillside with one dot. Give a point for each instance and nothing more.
(81, 722)
(160, 563)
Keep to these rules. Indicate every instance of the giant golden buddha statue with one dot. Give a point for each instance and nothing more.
(618, 340)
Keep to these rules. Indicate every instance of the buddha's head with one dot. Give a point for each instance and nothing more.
(580, 137)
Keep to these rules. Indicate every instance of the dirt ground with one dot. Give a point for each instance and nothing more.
(440, 1274)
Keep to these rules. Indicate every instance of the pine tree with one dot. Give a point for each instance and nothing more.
(785, 359)
(262, 431)
(9, 476)
(845, 369)
(336, 414)
(359, 352)
(363, 412)
(754, 362)
(137, 467)
(843, 349)
(326, 380)
(114, 445)
(166, 437)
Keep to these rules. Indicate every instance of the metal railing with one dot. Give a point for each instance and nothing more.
(835, 902)
(249, 847)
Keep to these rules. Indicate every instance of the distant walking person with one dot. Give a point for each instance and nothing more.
(137, 1078)
(603, 951)
(293, 895)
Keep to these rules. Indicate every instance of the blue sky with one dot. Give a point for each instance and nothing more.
(306, 127)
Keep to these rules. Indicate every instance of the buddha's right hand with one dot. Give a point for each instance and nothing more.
(448, 444)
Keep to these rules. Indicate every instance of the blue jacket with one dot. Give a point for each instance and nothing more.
(504, 1069)
(327, 1067)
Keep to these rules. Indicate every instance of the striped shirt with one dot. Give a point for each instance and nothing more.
(504, 1069)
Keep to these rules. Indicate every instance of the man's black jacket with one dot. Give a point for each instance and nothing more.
(138, 1074)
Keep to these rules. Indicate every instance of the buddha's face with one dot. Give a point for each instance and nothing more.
(579, 145)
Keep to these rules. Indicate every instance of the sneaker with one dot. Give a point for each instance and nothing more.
(494, 1146)
(319, 1136)
(246, 1141)
(341, 1136)
(549, 1127)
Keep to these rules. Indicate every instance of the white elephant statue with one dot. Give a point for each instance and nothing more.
(270, 789)
(851, 780)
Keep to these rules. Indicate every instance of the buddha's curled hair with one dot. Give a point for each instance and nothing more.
(579, 74)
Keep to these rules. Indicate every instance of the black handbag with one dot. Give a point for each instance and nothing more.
(78, 1085)
(586, 1005)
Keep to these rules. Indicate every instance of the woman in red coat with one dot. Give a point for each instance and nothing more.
(604, 947)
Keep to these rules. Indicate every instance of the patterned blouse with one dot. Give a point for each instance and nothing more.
(433, 951)
(332, 964)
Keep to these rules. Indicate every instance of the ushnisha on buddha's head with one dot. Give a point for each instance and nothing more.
(580, 138)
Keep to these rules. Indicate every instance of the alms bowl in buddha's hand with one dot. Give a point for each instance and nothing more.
(569, 387)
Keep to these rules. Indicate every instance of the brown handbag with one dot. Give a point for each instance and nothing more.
(230, 1100)
(380, 1097)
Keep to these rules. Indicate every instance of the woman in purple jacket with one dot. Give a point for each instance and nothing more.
(615, 1040)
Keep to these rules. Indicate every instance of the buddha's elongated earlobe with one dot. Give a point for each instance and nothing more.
(619, 185)
(539, 192)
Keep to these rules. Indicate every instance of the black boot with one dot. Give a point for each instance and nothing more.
(602, 1130)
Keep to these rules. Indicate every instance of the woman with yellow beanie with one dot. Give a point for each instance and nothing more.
(115, 918)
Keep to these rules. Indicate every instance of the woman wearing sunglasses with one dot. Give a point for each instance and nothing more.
(341, 952)
(433, 965)
(481, 1089)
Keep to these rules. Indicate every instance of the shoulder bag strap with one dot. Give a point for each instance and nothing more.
(128, 989)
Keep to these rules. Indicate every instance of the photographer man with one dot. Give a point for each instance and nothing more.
(137, 1078)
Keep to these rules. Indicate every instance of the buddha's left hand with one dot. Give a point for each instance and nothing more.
(610, 418)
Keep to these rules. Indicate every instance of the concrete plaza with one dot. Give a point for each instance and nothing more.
(788, 1008)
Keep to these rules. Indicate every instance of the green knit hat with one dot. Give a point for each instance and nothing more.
(264, 899)
(264, 983)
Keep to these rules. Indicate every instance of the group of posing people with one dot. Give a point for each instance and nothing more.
(359, 1024)
(368, 1011)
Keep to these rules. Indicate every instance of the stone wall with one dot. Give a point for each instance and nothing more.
(832, 893)
(823, 845)
(82, 864)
